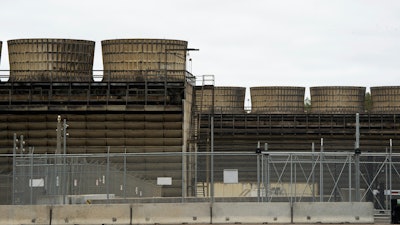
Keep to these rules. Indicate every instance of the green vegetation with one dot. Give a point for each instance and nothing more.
(307, 104)
(367, 102)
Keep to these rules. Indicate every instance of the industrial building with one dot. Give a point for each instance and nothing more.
(148, 103)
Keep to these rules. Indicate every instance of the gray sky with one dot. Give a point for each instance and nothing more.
(243, 43)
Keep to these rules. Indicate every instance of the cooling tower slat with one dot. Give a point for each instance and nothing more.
(76, 125)
(114, 125)
(385, 99)
(140, 59)
(37, 125)
(337, 99)
(37, 134)
(115, 142)
(144, 59)
(134, 117)
(277, 100)
(114, 133)
(76, 142)
(172, 133)
(154, 125)
(95, 125)
(134, 125)
(96, 142)
(172, 125)
(51, 59)
(226, 99)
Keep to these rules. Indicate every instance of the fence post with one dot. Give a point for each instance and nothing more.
(125, 175)
(321, 172)
(108, 175)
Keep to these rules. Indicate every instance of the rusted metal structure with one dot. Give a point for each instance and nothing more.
(385, 99)
(337, 99)
(144, 59)
(224, 100)
(277, 100)
(51, 60)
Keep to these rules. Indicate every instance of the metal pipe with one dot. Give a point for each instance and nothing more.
(268, 179)
(321, 172)
(64, 180)
(31, 176)
(357, 131)
(195, 169)
(357, 176)
(291, 188)
(212, 160)
(258, 177)
(313, 171)
(357, 159)
(350, 181)
(386, 180)
(59, 130)
(125, 175)
(258, 173)
(108, 175)
(212, 149)
(183, 188)
(291, 180)
(14, 168)
(390, 170)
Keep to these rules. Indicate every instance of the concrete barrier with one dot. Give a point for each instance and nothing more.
(251, 212)
(189, 213)
(91, 214)
(333, 212)
(171, 213)
(19, 214)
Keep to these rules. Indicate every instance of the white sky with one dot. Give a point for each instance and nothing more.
(243, 43)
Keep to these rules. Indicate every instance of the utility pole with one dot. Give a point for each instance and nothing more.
(357, 153)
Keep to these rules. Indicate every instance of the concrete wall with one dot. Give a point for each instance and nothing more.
(251, 212)
(171, 213)
(91, 214)
(333, 212)
(15, 215)
(188, 213)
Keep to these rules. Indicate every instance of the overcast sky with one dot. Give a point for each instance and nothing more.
(243, 43)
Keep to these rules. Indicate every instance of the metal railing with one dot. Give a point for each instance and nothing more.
(98, 76)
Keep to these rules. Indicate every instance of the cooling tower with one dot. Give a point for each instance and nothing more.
(337, 99)
(277, 100)
(385, 99)
(227, 100)
(59, 60)
(144, 59)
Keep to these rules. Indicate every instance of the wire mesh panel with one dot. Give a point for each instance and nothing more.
(202, 176)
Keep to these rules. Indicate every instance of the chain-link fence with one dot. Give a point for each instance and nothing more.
(184, 177)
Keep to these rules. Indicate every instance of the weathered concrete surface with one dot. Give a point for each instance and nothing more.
(251, 212)
(188, 213)
(333, 212)
(91, 214)
(171, 213)
(13, 215)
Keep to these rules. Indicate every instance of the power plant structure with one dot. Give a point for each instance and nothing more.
(149, 106)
